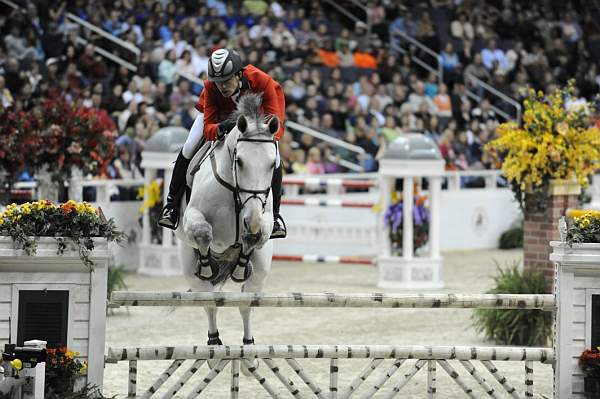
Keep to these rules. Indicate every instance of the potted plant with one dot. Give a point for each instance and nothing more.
(73, 224)
(589, 362)
(556, 144)
(393, 218)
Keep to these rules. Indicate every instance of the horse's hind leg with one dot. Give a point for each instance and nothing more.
(261, 261)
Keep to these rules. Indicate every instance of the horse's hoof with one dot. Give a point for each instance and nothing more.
(254, 363)
(213, 339)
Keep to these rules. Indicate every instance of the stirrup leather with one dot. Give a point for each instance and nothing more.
(244, 268)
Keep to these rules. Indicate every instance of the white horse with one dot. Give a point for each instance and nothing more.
(228, 221)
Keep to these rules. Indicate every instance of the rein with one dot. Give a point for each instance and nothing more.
(236, 189)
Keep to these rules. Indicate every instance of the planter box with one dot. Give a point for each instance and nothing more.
(47, 273)
(413, 273)
(577, 288)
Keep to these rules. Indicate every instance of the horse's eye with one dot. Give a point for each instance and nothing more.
(239, 163)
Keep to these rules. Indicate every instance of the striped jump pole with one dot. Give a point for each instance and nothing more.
(354, 260)
(329, 202)
(329, 183)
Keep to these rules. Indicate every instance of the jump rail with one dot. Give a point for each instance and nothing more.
(330, 300)
(326, 203)
(229, 352)
(348, 260)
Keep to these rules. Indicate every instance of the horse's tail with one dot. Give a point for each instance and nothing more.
(225, 270)
(226, 264)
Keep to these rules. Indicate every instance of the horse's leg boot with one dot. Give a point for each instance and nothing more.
(243, 269)
(207, 270)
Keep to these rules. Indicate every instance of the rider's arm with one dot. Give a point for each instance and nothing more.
(211, 114)
(274, 104)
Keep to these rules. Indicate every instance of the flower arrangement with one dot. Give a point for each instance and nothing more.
(152, 196)
(589, 363)
(78, 221)
(554, 142)
(58, 136)
(62, 370)
(583, 226)
(393, 218)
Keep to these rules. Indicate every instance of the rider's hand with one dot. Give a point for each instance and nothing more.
(225, 127)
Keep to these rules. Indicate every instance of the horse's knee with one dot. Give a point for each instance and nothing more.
(201, 232)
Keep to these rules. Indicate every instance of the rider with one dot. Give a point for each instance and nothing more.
(228, 79)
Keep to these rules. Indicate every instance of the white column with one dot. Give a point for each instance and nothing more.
(385, 184)
(407, 218)
(149, 176)
(97, 323)
(563, 372)
(435, 185)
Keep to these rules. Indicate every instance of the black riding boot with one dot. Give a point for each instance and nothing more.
(170, 213)
(279, 229)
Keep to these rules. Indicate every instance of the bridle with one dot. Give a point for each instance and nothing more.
(236, 189)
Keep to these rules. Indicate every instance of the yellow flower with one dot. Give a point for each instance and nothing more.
(562, 128)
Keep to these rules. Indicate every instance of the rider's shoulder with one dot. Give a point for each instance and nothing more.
(256, 76)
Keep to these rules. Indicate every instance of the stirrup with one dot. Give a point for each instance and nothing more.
(205, 262)
(282, 232)
(169, 213)
(243, 265)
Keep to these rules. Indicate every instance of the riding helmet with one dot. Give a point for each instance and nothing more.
(224, 64)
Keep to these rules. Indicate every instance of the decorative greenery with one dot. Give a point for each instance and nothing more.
(583, 226)
(553, 143)
(59, 136)
(589, 362)
(77, 221)
(393, 218)
(152, 196)
(515, 327)
(116, 280)
(62, 371)
(512, 238)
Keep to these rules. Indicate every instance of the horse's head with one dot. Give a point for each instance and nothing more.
(254, 158)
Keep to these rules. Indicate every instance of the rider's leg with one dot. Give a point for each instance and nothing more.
(170, 213)
(279, 229)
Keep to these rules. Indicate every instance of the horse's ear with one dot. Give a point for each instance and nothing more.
(274, 125)
(242, 124)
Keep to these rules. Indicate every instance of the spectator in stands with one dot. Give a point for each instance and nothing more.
(491, 53)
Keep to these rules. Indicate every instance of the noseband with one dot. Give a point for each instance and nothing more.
(236, 189)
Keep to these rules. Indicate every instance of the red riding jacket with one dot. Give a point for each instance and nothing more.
(216, 107)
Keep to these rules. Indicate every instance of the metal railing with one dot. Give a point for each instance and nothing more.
(107, 35)
(359, 151)
(437, 70)
(497, 93)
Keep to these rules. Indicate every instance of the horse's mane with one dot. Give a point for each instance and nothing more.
(248, 105)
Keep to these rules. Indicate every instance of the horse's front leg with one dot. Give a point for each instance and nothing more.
(199, 232)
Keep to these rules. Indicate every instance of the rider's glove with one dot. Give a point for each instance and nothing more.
(225, 127)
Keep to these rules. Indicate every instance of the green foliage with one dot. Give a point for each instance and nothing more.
(116, 279)
(515, 327)
(77, 221)
(512, 238)
(89, 391)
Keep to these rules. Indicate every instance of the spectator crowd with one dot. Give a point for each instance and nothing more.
(362, 84)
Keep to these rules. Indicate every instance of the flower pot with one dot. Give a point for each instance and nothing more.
(591, 387)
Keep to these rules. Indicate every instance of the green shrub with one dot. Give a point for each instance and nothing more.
(116, 279)
(512, 238)
(516, 327)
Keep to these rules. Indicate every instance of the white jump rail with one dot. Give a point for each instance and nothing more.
(334, 300)
(351, 260)
(416, 356)
(326, 203)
